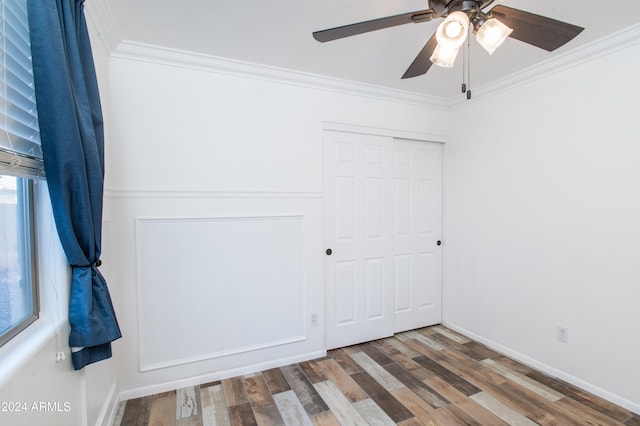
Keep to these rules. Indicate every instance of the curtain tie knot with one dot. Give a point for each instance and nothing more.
(96, 264)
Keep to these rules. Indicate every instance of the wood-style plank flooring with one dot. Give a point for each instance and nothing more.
(431, 376)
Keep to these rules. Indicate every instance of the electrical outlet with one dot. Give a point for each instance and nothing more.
(314, 320)
(563, 334)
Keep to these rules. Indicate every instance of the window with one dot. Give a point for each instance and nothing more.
(18, 289)
(20, 164)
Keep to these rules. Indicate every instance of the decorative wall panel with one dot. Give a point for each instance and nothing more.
(234, 274)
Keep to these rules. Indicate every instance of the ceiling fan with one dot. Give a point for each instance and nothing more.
(491, 29)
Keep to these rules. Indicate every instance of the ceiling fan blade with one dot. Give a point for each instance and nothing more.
(422, 62)
(540, 31)
(374, 24)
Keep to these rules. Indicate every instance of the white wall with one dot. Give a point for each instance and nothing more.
(543, 201)
(192, 143)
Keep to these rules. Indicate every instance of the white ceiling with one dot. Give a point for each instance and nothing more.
(278, 33)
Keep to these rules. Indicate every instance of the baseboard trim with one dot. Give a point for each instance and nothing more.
(217, 375)
(589, 387)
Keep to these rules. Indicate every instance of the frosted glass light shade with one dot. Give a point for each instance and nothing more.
(453, 31)
(444, 56)
(492, 34)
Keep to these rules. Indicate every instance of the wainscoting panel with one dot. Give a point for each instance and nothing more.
(211, 287)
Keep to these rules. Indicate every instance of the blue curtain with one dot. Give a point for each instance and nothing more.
(72, 136)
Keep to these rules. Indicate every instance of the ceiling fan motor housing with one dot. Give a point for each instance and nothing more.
(443, 8)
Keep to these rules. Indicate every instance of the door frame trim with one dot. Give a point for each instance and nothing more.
(381, 131)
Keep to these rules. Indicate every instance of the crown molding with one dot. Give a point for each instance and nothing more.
(185, 59)
(219, 65)
(98, 12)
(592, 51)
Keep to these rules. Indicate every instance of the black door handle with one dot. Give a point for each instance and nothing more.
(439, 243)
(329, 251)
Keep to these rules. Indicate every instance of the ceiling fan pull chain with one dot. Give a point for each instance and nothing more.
(464, 68)
(468, 52)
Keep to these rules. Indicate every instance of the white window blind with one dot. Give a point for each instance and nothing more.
(20, 150)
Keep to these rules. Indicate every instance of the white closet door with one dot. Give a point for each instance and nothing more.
(417, 261)
(383, 222)
(359, 233)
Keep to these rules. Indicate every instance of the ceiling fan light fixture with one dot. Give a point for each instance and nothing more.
(453, 31)
(444, 56)
(492, 34)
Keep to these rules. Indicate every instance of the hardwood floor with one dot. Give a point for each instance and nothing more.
(431, 376)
